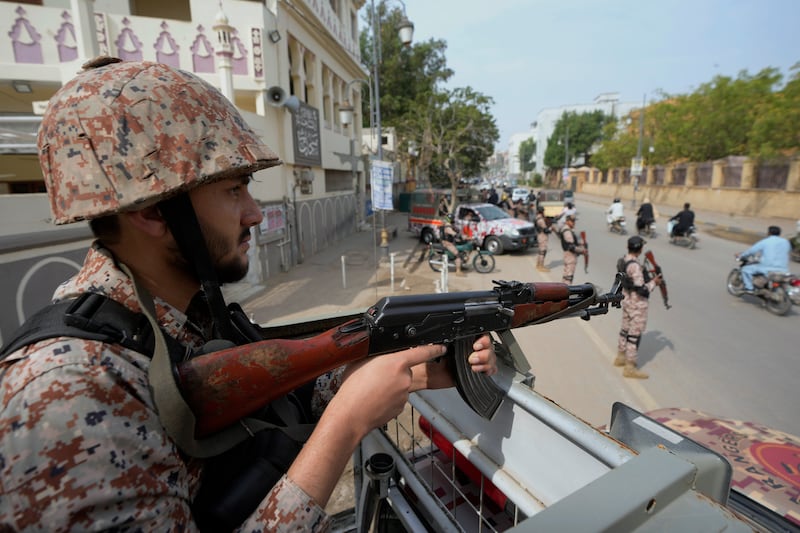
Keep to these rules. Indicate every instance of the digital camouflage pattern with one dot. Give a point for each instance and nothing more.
(634, 311)
(765, 461)
(541, 237)
(125, 135)
(81, 445)
(571, 252)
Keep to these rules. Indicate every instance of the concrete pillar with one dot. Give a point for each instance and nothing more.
(261, 102)
(748, 175)
(793, 179)
(668, 174)
(224, 54)
(85, 29)
(718, 174)
(691, 175)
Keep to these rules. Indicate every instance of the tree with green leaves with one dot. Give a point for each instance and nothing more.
(750, 115)
(578, 131)
(407, 74)
(453, 130)
(526, 150)
(456, 133)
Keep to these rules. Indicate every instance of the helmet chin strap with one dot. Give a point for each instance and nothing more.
(182, 221)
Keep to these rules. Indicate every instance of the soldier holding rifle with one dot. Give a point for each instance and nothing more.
(636, 288)
(159, 162)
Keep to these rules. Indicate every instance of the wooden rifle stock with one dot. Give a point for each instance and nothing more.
(657, 270)
(585, 252)
(224, 386)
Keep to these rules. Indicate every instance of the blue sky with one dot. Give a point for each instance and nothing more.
(534, 54)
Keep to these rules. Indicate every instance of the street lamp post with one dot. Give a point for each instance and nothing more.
(406, 33)
(565, 171)
(636, 167)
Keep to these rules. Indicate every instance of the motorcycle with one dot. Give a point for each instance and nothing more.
(483, 261)
(648, 230)
(688, 239)
(777, 290)
(617, 225)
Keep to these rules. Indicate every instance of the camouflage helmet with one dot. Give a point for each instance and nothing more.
(636, 243)
(125, 135)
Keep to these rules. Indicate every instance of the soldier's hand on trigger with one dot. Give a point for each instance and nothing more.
(658, 279)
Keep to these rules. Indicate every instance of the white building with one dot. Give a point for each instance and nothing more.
(546, 120)
(303, 52)
(286, 65)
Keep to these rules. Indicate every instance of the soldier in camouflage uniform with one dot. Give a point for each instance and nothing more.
(634, 309)
(569, 243)
(82, 446)
(543, 232)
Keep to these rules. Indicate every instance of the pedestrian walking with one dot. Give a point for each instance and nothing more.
(569, 243)
(636, 288)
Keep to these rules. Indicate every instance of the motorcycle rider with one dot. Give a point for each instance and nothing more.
(645, 215)
(774, 257)
(685, 221)
(615, 213)
(450, 236)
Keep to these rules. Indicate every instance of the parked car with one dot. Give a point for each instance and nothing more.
(569, 196)
(493, 228)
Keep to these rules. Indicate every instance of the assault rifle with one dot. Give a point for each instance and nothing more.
(585, 252)
(224, 386)
(656, 270)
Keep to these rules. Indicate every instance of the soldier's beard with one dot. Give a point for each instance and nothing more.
(231, 265)
(228, 263)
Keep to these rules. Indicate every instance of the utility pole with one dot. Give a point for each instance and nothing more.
(636, 167)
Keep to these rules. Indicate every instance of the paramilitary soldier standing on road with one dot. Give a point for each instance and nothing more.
(542, 236)
(636, 288)
(569, 243)
(159, 162)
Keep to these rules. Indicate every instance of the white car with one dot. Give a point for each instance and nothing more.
(520, 193)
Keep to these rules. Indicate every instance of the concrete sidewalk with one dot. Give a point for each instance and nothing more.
(349, 275)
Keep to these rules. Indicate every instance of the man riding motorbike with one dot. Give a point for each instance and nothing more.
(615, 214)
(685, 221)
(450, 236)
(645, 215)
(774, 257)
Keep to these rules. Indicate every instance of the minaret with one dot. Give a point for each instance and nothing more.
(225, 53)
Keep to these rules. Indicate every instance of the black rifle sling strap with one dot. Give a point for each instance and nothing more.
(176, 415)
(90, 316)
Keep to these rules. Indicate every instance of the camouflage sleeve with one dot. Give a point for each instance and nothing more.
(287, 508)
(82, 446)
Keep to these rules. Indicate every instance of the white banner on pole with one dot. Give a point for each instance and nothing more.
(382, 173)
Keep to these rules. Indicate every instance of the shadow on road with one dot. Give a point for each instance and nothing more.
(652, 343)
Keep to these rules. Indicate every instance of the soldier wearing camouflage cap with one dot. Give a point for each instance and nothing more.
(636, 288)
(159, 162)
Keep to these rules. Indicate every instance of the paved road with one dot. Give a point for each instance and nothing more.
(710, 351)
